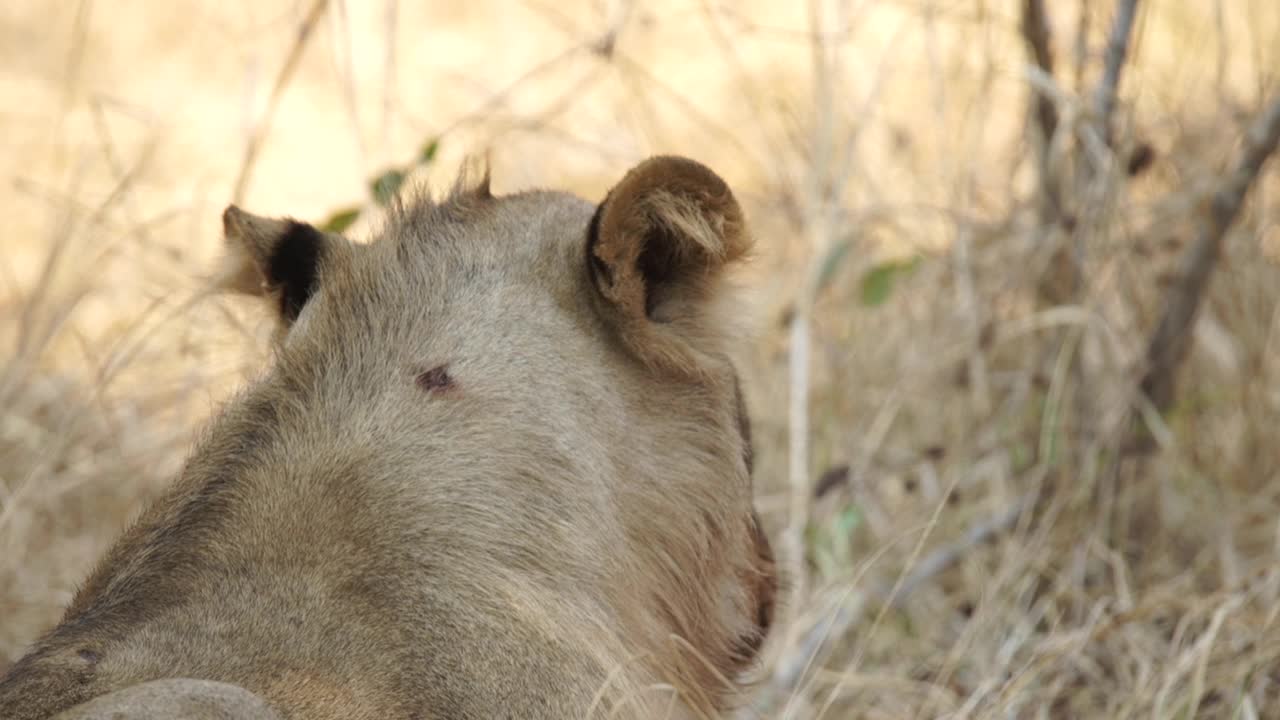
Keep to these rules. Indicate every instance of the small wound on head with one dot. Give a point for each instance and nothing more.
(436, 379)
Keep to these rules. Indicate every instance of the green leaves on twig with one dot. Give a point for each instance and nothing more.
(877, 282)
(383, 188)
(340, 220)
(386, 186)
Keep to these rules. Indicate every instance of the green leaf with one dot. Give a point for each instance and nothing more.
(340, 220)
(428, 152)
(877, 283)
(385, 186)
(831, 263)
(846, 522)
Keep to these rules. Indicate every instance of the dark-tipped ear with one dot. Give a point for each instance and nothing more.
(275, 258)
(658, 247)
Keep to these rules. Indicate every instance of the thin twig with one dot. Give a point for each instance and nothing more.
(390, 82)
(1117, 51)
(259, 132)
(893, 595)
(748, 83)
(947, 556)
(346, 59)
(1080, 48)
(693, 110)
(497, 99)
(1169, 342)
(1035, 31)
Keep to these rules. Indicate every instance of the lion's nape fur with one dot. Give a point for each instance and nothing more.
(556, 521)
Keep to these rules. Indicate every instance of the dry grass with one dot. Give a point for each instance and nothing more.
(976, 524)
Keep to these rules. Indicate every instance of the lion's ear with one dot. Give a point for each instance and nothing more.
(277, 258)
(658, 247)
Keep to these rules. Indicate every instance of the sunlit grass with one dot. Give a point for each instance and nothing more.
(887, 170)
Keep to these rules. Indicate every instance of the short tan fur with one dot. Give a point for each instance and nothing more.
(500, 467)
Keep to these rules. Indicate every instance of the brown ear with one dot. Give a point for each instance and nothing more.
(658, 247)
(275, 258)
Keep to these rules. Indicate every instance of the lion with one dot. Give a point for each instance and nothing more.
(499, 467)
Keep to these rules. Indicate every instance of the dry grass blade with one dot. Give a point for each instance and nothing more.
(987, 236)
(791, 668)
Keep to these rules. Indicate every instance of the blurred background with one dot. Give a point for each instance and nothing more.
(1016, 374)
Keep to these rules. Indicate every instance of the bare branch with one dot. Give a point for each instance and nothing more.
(390, 66)
(259, 131)
(1169, 342)
(1117, 52)
(1035, 30)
